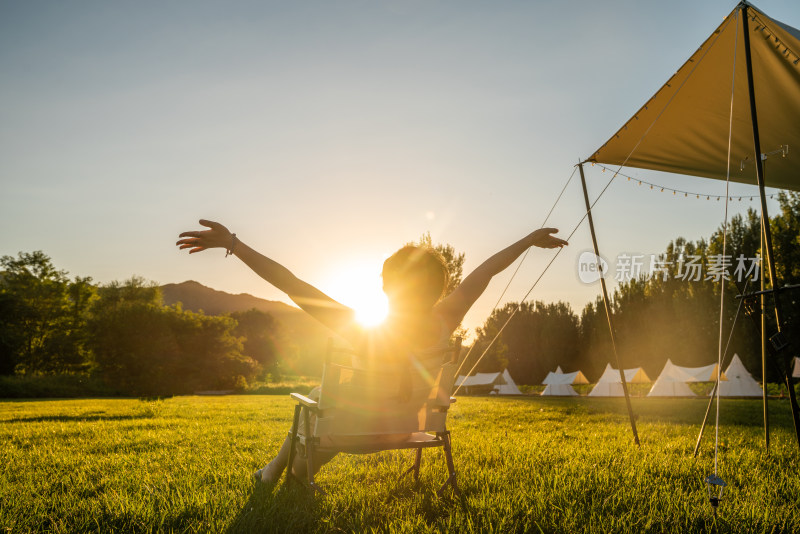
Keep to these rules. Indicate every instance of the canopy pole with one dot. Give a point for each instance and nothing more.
(608, 307)
(763, 305)
(778, 340)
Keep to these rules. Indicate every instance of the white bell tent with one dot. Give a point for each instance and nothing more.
(705, 373)
(610, 384)
(493, 383)
(560, 384)
(740, 382)
(508, 386)
(674, 380)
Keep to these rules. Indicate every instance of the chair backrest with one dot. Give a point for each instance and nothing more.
(407, 399)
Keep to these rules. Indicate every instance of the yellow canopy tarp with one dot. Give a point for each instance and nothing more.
(684, 127)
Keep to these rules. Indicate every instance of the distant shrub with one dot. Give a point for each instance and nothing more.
(294, 384)
(779, 390)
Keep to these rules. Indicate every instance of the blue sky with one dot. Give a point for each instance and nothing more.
(328, 134)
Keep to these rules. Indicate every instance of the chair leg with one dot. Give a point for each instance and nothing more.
(417, 463)
(310, 452)
(293, 442)
(414, 467)
(451, 468)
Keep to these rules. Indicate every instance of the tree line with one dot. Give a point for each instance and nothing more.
(673, 312)
(122, 333)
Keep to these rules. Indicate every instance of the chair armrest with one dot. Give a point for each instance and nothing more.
(305, 401)
(443, 408)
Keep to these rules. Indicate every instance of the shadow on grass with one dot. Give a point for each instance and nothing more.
(294, 507)
(77, 418)
(278, 508)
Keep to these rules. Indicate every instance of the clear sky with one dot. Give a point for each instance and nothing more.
(328, 134)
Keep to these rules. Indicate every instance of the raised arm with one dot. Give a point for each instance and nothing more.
(453, 308)
(331, 313)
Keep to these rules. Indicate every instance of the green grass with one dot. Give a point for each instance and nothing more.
(524, 465)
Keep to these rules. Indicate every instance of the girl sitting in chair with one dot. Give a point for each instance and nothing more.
(414, 280)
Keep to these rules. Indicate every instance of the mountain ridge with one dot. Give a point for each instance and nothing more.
(308, 336)
(197, 297)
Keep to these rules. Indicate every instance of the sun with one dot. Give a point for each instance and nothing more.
(359, 286)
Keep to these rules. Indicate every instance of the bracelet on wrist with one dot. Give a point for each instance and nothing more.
(229, 250)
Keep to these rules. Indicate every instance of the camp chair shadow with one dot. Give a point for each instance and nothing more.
(363, 412)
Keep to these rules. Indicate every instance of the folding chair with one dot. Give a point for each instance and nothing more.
(362, 412)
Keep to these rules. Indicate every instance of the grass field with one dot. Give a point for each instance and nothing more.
(524, 465)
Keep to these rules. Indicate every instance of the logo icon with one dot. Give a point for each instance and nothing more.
(591, 268)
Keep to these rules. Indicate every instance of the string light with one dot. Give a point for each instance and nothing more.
(788, 53)
(676, 191)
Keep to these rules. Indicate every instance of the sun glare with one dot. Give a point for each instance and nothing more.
(359, 287)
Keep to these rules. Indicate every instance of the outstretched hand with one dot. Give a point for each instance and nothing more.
(217, 236)
(542, 238)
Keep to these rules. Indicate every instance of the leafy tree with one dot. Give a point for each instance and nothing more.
(489, 351)
(146, 348)
(594, 340)
(786, 241)
(786, 238)
(263, 337)
(453, 260)
(538, 337)
(10, 339)
(678, 317)
(43, 316)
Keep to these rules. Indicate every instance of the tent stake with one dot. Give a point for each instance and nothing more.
(778, 340)
(608, 307)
